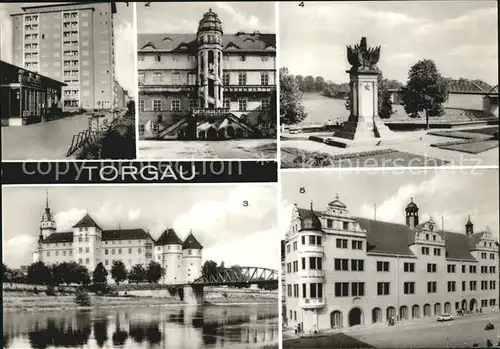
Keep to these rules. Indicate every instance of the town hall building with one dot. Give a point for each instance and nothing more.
(207, 85)
(88, 244)
(343, 271)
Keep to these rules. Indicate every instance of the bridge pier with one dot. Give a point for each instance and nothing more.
(193, 294)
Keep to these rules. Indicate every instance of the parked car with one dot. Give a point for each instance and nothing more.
(445, 317)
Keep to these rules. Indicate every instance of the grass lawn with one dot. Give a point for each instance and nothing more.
(472, 147)
(339, 340)
(486, 130)
(297, 158)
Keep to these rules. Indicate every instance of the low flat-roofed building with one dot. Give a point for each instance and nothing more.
(27, 97)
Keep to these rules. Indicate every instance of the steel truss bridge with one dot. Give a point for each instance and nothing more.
(238, 276)
(472, 87)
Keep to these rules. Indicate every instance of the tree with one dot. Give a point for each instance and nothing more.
(209, 268)
(154, 272)
(70, 272)
(291, 108)
(56, 278)
(82, 275)
(384, 98)
(99, 276)
(309, 84)
(319, 83)
(39, 274)
(425, 90)
(6, 273)
(118, 272)
(300, 82)
(137, 273)
(82, 297)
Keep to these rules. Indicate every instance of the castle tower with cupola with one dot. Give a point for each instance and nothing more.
(191, 258)
(47, 223)
(209, 59)
(87, 237)
(169, 254)
(411, 214)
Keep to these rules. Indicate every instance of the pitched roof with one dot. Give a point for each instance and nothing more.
(240, 42)
(191, 243)
(394, 238)
(385, 237)
(122, 234)
(125, 234)
(457, 246)
(86, 221)
(169, 237)
(59, 237)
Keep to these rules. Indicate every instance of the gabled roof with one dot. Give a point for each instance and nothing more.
(191, 243)
(169, 237)
(86, 221)
(245, 42)
(395, 238)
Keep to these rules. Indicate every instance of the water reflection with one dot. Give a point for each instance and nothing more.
(172, 327)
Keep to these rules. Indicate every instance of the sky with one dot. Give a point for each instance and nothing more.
(123, 34)
(235, 16)
(451, 194)
(229, 231)
(460, 36)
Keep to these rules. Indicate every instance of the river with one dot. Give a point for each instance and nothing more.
(228, 326)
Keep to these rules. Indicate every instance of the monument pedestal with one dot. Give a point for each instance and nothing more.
(364, 124)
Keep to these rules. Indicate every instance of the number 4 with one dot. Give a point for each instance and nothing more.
(301, 4)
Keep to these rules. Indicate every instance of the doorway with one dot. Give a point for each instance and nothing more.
(355, 317)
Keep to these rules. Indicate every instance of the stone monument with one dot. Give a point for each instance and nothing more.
(363, 124)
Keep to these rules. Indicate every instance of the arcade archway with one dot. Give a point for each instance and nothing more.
(403, 312)
(336, 319)
(376, 315)
(473, 304)
(211, 134)
(415, 312)
(447, 308)
(230, 131)
(355, 317)
(437, 309)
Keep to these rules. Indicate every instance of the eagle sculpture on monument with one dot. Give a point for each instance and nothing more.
(363, 58)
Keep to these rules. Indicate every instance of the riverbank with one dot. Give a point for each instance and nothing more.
(47, 303)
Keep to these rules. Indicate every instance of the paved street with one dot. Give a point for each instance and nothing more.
(43, 141)
(421, 333)
(230, 149)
